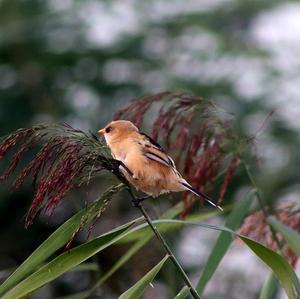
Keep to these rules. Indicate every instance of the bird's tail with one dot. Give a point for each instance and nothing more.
(200, 194)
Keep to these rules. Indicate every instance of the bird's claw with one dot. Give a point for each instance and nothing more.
(136, 201)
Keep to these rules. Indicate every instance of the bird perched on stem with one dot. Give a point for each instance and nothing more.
(143, 161)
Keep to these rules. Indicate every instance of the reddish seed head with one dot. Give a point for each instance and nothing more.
(255, 227)
(228, 177)
(67, 159)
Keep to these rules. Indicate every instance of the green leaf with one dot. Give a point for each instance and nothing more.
(279, 265)
(282, 269)
(142, 235)
(57, 240)
(86, 267)
(139, 288)
(291, 237)
(139, 234)
(171, 213)
(224, 240)
(270, 287)
(183, 293)
(129, 253)
(66, 261)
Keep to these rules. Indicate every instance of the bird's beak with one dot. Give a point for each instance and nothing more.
(102, 131)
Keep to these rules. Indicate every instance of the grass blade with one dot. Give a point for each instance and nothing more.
(66, 261)
(139, 288)
(57, 240)
(291, 237)
(224, 240)
(270, 287)
(163, 227)
(134, 249)
(279, 265)
(183, 293)
(281, 268)
(141, 236)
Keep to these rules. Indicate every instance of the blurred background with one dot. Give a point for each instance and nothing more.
(79, 61)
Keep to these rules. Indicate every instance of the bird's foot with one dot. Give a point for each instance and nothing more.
(137, 200)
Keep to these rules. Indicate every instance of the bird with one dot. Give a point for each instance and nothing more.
(144, 163)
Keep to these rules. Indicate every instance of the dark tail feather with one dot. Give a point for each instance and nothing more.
(201, 194)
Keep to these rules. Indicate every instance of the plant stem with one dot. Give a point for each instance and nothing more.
(169, 251)
(262, 206)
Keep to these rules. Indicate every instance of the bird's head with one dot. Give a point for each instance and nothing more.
(117, 130)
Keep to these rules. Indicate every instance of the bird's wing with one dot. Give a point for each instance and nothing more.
(150, 140)
(153, 151)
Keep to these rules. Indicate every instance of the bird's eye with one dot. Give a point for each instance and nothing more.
(108, 129)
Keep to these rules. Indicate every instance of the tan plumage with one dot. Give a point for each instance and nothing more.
(147, 167)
